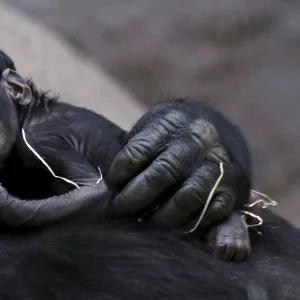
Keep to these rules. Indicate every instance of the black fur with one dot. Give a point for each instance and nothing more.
(122, 261)
(118, 261)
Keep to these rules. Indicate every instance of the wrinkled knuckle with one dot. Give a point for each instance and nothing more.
(196, 185)
(204, 133)
(174, 120)
(168, 165)
(170, 123)
(181, 152)
(190, 198)
(206, 172)
(146, 138)
(138, 151)
(195, 193)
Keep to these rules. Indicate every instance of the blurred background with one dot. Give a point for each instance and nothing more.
(118, 57)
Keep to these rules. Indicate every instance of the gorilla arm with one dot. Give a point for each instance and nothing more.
(60, 155)
(16, 212)
(66, 162)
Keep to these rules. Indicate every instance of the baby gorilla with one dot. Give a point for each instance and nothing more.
(162, 171)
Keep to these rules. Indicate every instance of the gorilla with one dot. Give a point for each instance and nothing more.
(121, 260)
(63, 242)
(161, 172)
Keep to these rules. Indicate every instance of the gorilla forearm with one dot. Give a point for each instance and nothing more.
(86, 202)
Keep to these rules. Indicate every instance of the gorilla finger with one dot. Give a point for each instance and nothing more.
(144, 146)
(230, 250)
(236, 185)
(228, 196)
(144, 189)
(243, 252)
(188, 200)
(135, 155)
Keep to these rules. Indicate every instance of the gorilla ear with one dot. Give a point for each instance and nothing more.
(16, 87)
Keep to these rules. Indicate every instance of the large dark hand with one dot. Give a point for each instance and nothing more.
(172, 161)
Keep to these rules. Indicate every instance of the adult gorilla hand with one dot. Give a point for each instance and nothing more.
(172, 161)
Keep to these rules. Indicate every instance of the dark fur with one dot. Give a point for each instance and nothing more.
(46, 119)
(121, 262)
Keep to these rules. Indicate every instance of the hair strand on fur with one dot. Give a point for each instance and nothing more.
(209, 198)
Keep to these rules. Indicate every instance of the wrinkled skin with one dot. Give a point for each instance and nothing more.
(173, 153)
(170, 164)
